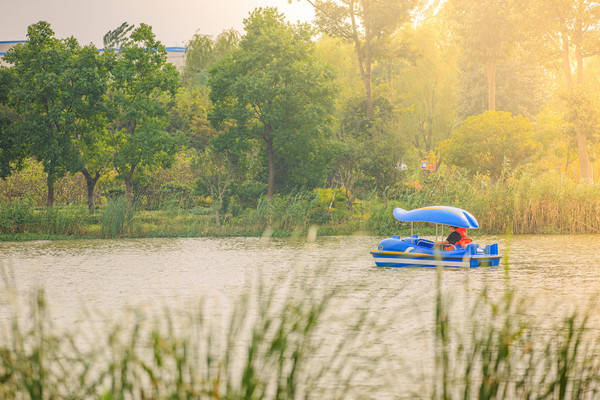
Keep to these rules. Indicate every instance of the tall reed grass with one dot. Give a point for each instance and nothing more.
(21, 217)
(117, 217)
(286, 340)
(268, 345)
(500, 351)
(524, 203)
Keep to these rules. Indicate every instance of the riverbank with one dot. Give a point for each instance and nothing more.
(374, 219)
(546, 205)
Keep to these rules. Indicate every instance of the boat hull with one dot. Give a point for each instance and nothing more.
(416, 252)
(388, 259)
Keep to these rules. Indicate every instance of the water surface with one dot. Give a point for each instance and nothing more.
(557, 272)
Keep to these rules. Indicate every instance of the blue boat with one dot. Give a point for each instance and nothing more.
(414, 251)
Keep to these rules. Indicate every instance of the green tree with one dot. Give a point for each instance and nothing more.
(114, 39)
(488, 31)
(141, 87)
(12, 150)
(57, 88)
(424, 91)
(567, 28)
(202, 52)
(189, 117)
(216, 174)
(275, 89)
(367, 24)
(489, 142)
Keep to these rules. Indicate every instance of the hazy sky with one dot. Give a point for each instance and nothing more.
(173, 21)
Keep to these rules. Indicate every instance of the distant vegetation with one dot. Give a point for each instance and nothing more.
(500, 99)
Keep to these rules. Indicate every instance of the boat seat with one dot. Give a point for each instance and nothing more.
(424, 243)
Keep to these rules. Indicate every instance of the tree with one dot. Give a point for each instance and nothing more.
(367, 24)
(275, 89)
(141, 86)
(91, 136)
(57, 88)
(521, 88)
(425, 90)
(12, 150)
(189, 117)
(488, 31)
(216, 175)
(486, 143)
(202, 52)
(114, 39)
(571, 27)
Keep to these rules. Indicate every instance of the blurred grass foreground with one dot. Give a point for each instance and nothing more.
(289, 340)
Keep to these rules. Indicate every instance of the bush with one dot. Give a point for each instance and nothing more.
(15, 216)
(175, 194)
(117, 217)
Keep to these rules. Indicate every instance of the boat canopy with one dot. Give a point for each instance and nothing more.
(445, 215)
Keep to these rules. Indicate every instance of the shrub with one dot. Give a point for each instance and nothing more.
(117, 217)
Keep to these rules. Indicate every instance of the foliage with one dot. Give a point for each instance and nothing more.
(270, 347)
(113, 40)
(142, 83)
(202, 52)
(485, 143)
(188, 117)
(273, 88)
(175, 194)
(12, 150)
(56, 94)
(117, 217)
(423, 91)
(367, 25)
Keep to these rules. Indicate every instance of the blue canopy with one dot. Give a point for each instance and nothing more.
(438, 215)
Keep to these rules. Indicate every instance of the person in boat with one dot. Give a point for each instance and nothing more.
(457, 238)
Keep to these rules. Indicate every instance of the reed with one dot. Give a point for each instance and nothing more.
(117, 217)
(501, 351)
(271, 347)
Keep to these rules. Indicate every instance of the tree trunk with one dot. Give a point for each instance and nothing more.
(585, 167)
(50, 182)
(491, 78)
(271, 158)
(129, 185)
(363, 55)
(566, 61)
(90, 182)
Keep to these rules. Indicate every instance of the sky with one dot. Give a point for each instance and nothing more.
(173, 21)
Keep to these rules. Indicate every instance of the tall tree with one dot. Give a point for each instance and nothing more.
(274, 88)
(488, 31)
(202, 52)
(141, 86)
(367, 24)
(571, 28)
(56, 90)
(425, 90)
(12, 149)
(91, 135)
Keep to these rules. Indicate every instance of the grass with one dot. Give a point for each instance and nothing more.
(501, 351)
(269, 348)
(542, 205)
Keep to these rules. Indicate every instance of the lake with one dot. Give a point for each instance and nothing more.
(557, 273)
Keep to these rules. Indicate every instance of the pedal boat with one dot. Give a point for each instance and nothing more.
(414, 251)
